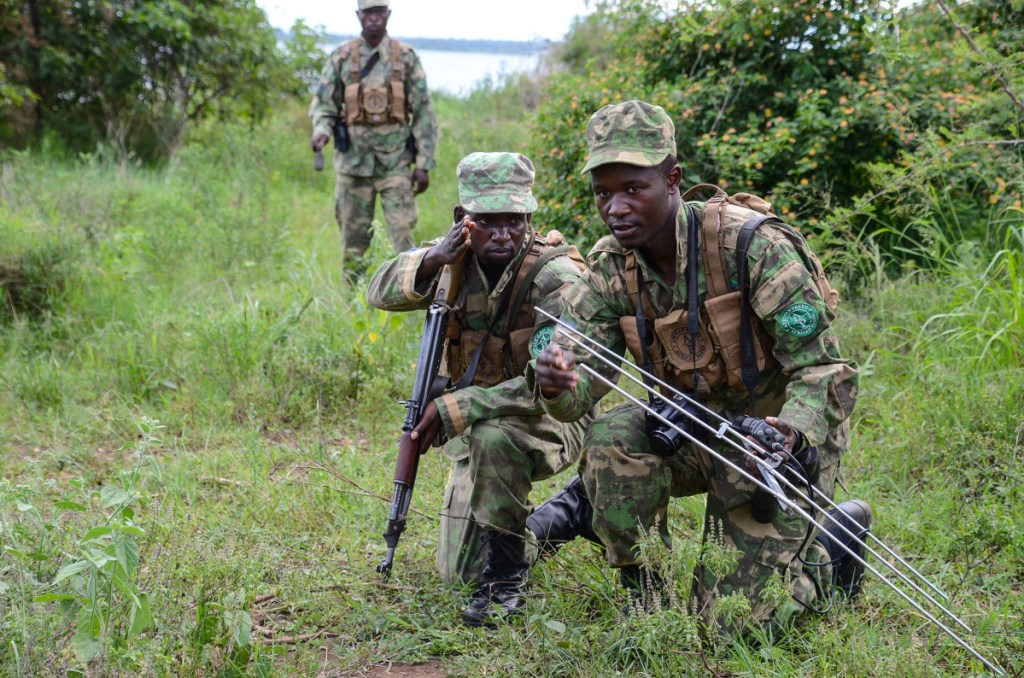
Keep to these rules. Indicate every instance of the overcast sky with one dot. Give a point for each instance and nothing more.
(466, 19)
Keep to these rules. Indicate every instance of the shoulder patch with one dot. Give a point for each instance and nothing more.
(541, 338)
(799, 319)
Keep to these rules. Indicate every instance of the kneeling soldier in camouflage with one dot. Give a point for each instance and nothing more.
(496, 431)
(667, 262)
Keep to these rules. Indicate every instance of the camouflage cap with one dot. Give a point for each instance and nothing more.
(367, 4)
(496, 182)
(634, 132)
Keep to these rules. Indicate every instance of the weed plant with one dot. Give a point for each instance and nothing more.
(240, 538)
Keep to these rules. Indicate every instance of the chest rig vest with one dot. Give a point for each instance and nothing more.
(489, 357)
(375, 105)
(727, 344)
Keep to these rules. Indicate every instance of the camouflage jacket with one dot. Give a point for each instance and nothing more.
(812, 387)
(476, 308)
(376, 148)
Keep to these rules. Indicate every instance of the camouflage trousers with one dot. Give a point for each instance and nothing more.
(630, 489)
(496, 463)
(354, 201)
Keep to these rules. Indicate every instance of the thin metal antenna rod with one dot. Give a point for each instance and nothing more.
(742, 447)
(802, 513)
(580, 338)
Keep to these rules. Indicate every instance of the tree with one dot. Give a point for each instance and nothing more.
(817, 105)
(136, 73)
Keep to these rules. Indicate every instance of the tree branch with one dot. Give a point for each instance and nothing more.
(977, 50)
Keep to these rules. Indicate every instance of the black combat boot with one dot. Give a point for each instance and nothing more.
(563, 517)
(646, 588)
(847, 572)
(502, 592)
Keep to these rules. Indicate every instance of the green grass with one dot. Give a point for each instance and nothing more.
(207, 294)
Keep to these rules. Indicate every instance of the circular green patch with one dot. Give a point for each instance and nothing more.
(799, 320)
(541, 338)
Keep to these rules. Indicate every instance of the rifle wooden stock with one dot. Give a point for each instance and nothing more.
(427, 385)
(408, 460)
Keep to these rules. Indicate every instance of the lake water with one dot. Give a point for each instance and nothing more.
(458, 72)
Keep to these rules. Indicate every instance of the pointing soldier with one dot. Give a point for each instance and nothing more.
(496, 431)
(373, 100)
(636, 294)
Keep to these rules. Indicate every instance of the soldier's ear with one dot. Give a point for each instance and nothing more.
(459, 213)
(674, 176)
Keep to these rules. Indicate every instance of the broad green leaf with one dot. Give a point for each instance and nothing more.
(141, 615)
(132, 530)
(24, 506)
(86, 647)
(112, 496)
(95, 532)
(71, 570)
(71, 506)
(556, 626)
(90, 622)
(51, 597)
(127, 554)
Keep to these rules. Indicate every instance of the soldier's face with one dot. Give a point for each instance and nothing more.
(497, 237)
(374, 21)
(638, 204)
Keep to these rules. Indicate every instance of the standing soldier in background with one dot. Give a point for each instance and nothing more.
(373, 100)
(496, 431)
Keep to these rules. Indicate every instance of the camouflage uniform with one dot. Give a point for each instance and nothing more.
(498, 436)
(812, 388)
(378, 161)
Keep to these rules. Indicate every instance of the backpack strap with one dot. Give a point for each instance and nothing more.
(749, 373)
(354, 69)
(694, 190)
(714, 254)
(397, 63)
(634, 284)
(540, 254)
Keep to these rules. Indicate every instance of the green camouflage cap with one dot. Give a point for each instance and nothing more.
(496, 182)
(367, 4)
(634, 132)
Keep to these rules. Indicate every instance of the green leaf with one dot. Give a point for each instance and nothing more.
(24, 506)
(71, 570)
(71, 506)
(127, 554)
(95, 532)
(556, 626)
(112, 496)
(51, 597)
(87, 640)
(141, 615)
(132, 530)
(86, 647)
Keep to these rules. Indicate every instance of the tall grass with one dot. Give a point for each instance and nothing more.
(207, 294)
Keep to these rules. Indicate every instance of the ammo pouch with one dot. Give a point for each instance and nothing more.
(724, 322)
(489, 365)
(377, 105)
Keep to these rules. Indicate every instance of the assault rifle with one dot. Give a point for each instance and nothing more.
(426, 386)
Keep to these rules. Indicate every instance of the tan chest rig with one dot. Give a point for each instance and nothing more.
(376, 105)
(501, 352)
(727, 344)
